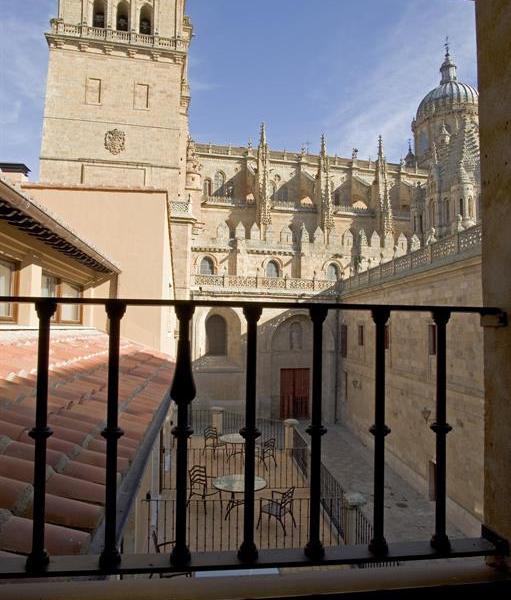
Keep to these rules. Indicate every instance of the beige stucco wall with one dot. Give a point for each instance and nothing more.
(411, 380)
(132, 228)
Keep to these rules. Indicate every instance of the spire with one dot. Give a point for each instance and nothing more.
(323, 146)
(323, 188)
(381, 193)
(262, 137)
(380, 148)
(410, 157)
(263, 192)
(448, 68)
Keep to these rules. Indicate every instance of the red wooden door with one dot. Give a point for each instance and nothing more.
(294, 393)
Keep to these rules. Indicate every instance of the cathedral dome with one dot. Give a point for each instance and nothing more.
(449, 93)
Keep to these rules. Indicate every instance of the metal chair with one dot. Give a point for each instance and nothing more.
(199, 485)
(266, 451)
(211, 440)
(157, 546)
(278, 506)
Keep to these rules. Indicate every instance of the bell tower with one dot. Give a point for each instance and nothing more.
(117, 97)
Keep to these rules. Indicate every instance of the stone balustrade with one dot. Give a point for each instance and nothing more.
(450, 249)
(236, 284)
(58, 27)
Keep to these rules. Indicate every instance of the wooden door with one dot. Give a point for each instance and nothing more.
(294, 393)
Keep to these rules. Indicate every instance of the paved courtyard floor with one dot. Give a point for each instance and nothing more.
(409, 515)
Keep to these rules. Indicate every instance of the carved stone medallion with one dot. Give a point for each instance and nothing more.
(115, 141)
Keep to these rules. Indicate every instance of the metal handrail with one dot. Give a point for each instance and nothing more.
(40, 564)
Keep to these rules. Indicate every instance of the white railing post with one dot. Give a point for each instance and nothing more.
(289, 427)
(217, 418)
(354, 502)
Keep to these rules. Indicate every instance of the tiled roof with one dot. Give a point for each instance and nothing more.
(75, 492)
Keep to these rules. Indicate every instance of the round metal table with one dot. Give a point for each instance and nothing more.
(235, 440)
(235, 484)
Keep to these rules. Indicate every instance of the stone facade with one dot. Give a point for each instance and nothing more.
(411, 380)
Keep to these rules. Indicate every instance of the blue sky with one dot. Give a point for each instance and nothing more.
(350, 69)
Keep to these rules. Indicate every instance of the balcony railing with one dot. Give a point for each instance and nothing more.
(120, 37)
(182, 391)
(286, 285)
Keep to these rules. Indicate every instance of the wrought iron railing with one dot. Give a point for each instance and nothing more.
(40, 564)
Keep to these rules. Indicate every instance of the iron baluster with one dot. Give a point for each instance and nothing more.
(111, 557)
(440, 541)
(378, 544)
(314, 548)
(248, 551)
(182, 392)
(38, 559)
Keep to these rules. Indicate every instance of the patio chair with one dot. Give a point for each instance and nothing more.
(199, 485)
(211, 440)
(157, 548)
(266, 451)
(278, 506)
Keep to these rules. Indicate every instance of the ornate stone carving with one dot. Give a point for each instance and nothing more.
(115, 141)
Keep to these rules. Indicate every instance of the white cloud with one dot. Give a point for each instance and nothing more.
(384, 101)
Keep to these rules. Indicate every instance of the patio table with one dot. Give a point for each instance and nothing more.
(235, 484)
(235, 440)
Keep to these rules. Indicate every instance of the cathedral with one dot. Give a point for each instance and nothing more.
(244, 211)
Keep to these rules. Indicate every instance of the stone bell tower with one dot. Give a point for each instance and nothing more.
(116, 111)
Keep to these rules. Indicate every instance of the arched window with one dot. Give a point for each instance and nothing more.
(295, 336)
(462, 208)
(219, 183)
(216, 336)
(272, 269)
(207, 188)
(146, 20)
(332, 272)
(98, 14)
(207, 266)
(123, 19)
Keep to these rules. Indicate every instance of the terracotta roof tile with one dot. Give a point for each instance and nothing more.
(78, 489)
(77, 409)
(16, 536)
(16, 468)
(56, 460)
(69, 513)
(15, 432)
(14, 495)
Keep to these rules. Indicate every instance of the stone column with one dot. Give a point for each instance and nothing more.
(493, 19)
(354, 501)
(217, 418)
(289, 427)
